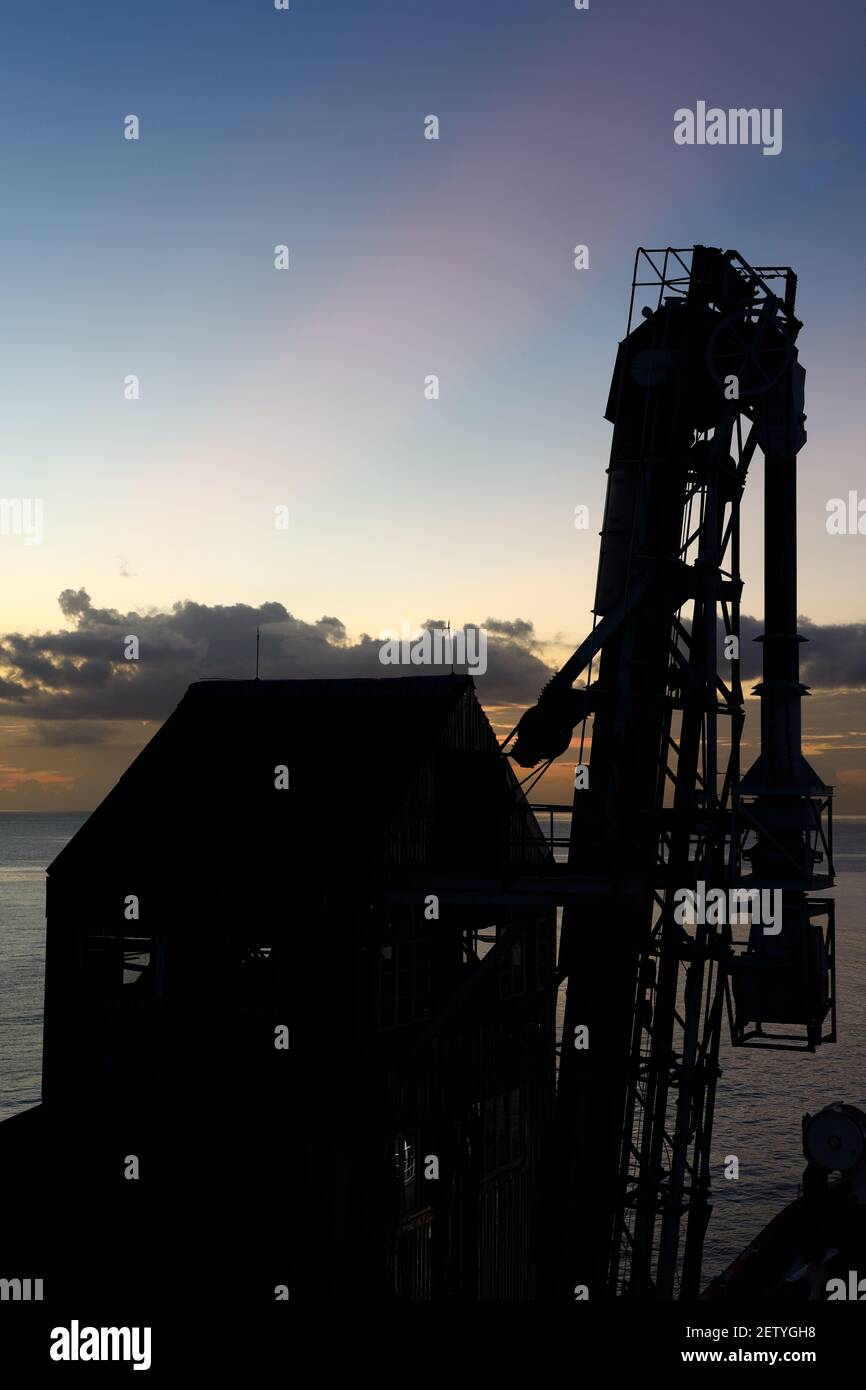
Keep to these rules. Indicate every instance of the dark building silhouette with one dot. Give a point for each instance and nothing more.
(354, 864)
(206, 913)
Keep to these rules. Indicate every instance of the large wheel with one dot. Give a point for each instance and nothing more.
(756, 352)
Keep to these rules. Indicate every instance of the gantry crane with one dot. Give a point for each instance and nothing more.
(707, 374)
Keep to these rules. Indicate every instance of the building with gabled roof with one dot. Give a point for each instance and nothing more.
(265, 981)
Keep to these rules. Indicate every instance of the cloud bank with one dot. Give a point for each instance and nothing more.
(74, 682)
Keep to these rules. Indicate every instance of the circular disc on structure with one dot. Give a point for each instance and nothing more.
(835, 1138)
(756, 352)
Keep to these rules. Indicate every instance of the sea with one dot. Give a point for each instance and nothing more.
(761, 1099)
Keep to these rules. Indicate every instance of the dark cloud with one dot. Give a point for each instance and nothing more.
(73, 604)
(72, 681)
(518, 629)
(833, 657)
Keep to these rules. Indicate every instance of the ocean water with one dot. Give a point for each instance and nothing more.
(761, 1098)
(28, 843)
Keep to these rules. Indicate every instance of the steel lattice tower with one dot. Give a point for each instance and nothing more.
(707, 374)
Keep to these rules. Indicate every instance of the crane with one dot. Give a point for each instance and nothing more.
(707, 374)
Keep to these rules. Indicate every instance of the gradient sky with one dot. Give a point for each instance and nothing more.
(408, 257)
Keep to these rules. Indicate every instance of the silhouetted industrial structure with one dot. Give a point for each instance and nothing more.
(352, 866)
(706, 375)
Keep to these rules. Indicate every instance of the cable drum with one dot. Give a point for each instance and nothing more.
(835, 1138)
(756, 352)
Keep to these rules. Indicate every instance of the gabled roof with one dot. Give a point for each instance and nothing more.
(351, 747)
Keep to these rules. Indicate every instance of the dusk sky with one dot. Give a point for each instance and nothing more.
(304, 388)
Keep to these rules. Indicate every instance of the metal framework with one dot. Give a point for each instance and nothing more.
(707, 374)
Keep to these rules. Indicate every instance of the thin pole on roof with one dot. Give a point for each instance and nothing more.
(257, 653)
